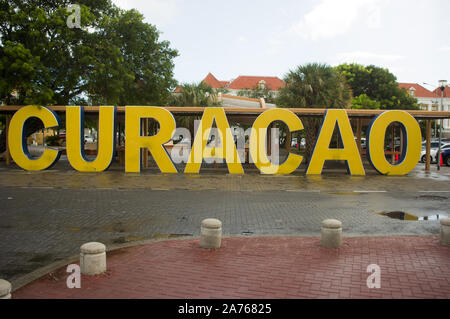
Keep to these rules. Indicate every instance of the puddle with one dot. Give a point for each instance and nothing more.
(123, 240)
(406, 216)
(432, 197)
(41, 257)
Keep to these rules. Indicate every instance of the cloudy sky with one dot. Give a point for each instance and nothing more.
(231, 38)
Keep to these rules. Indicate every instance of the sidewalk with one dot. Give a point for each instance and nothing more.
(263, 267)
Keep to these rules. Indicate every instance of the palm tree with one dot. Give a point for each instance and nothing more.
(193, 94)
(314, 85)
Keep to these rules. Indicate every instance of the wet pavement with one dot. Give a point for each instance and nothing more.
(46, 216)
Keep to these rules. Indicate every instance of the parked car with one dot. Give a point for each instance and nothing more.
(433, 153)
(294, 142)
(446, 157)
(433, 144)
(88, 139)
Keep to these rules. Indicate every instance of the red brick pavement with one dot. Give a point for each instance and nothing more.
(263, 267)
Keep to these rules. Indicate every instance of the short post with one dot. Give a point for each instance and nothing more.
(211, 233)
(5, 289)
(331, 233)
(93, 259)
(445, 231)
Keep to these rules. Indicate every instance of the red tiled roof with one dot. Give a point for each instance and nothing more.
(251, 82)
(420, 90)
(212, 81)
(242, 82)
(437, 92)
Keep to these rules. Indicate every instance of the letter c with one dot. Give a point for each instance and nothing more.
(17, 140)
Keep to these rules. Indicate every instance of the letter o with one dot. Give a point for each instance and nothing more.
(411, 146)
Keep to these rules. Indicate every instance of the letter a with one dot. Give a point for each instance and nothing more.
(322, 151)
(226, 151)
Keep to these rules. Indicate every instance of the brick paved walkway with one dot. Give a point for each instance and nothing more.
(263, 267)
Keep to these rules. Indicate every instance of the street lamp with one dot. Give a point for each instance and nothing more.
(442, 85)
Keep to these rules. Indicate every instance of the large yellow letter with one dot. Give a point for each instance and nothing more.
(322, 151)
(75, 139)
(226, 151)
(258, 138)
(134, 141)
(411, 150)
(17, 141)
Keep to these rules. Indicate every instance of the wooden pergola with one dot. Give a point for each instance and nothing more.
(247, 115)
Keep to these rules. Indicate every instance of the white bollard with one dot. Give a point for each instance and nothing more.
(331, 233)
(445, 232)
(5, 289)
(93, 259)
(211, 233)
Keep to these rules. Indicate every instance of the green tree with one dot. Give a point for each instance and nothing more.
(54, 50)
(115, 58)
(377, 84)
(314, 85)
(129, 65)
(193, 94)
(364, 102)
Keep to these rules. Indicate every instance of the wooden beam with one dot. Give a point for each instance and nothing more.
(358, 134)
(145, 159)
(428, 146)
(401, 145)
(8, 158)
(288, 141)
(314, 112)
(118, 128)
(393, 144)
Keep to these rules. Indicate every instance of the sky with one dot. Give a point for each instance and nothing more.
(270, 38)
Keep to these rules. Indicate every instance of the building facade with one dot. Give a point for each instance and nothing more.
(245, 82)
(430, 101)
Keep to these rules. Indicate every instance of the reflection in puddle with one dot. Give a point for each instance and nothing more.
(406, 216)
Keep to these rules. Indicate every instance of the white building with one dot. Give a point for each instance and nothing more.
(430, 100)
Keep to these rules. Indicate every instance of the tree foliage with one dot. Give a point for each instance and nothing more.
(314, 85)
(378, 85)
(115, 58)
(364, 102)
(193, 94)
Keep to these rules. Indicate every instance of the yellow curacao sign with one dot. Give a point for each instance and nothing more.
(224, 148)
